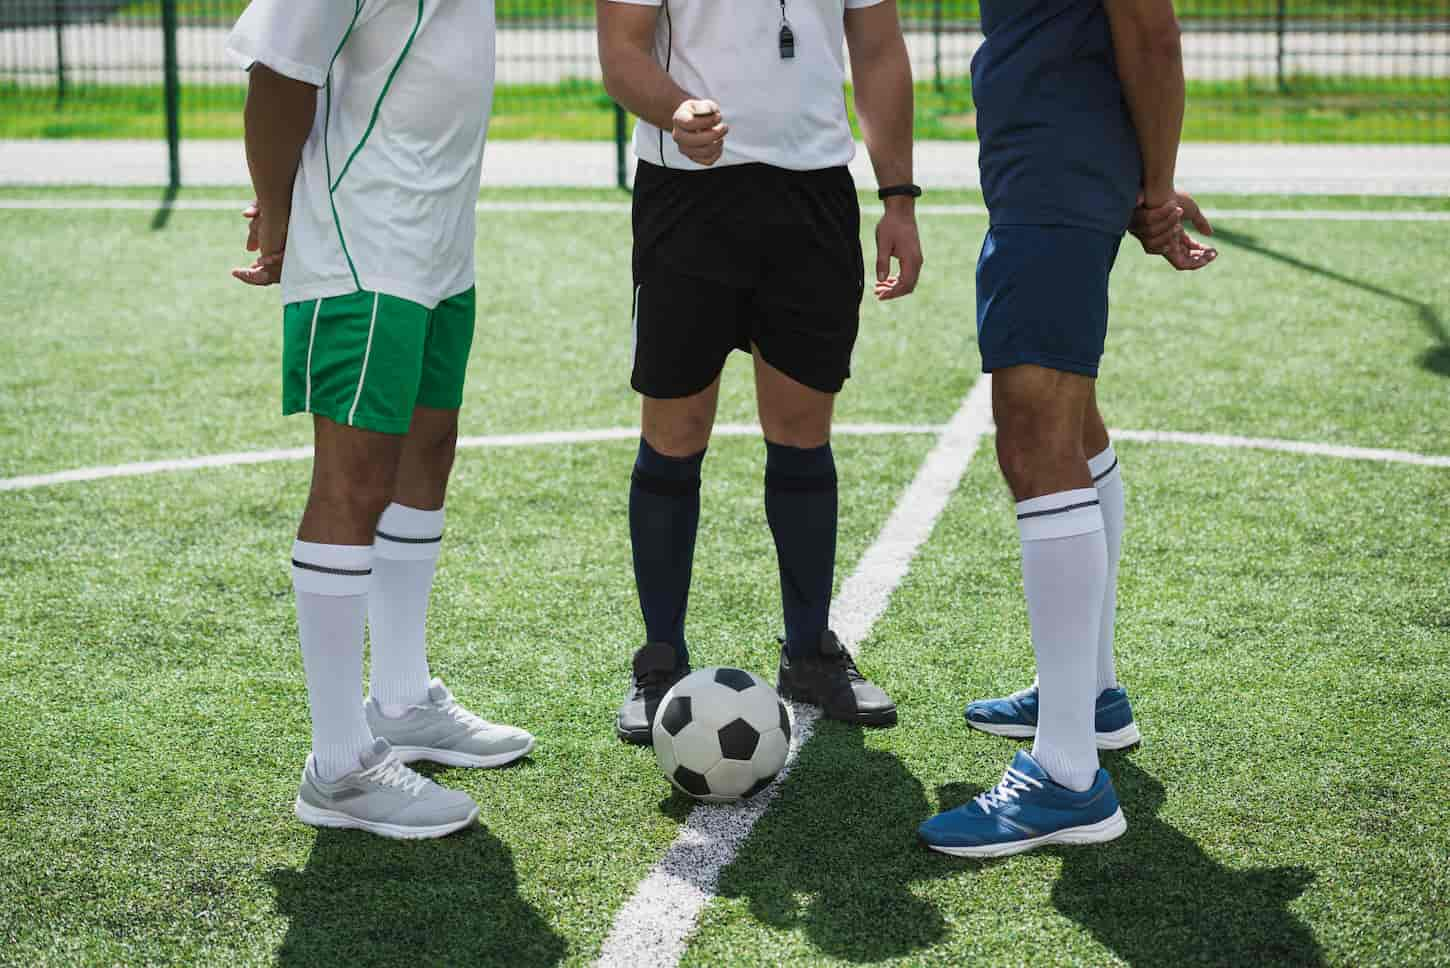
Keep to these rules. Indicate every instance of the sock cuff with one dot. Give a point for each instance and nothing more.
(1103, 465)
(1059, 515)
(327, 569)
(799, 468)
(409, 534)
(664, 475)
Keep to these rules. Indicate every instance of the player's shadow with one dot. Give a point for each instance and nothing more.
(1155, 898)
(836, 854)
(363, 900)
(1436, 359)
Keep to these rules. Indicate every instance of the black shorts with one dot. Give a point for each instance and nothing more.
(745, 254)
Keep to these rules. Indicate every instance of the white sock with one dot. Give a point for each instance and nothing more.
(1108, 478)
(1064, 569)
(331, 582)
(405, 557)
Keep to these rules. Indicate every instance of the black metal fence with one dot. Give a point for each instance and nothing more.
(1258, 70)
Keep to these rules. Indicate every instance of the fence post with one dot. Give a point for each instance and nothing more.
(936, 28)
(173, 93)
(621, 160)
(59, 8)
(1280, 27)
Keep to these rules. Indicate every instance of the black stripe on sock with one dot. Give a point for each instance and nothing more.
(665, 486)
(347, 572)
(1105, 473)
(1061, 510)
(776, 481)
(413, 541)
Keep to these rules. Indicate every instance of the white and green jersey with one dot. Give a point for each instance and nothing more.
(384, 200)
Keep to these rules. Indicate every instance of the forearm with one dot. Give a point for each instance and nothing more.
(278, 119)
(1150, 66)
(884, 107)
(636, 80)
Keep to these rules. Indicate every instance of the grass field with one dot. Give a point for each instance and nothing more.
(1311, 109)
(1284, 627)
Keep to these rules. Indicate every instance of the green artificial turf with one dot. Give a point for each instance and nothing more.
(1283, 631)
(1308, 109)
(1286, 649)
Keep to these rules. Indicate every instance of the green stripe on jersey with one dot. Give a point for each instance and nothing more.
(379, 104)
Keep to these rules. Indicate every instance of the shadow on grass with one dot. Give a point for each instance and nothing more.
(363, 900)
(1155, 898)
(1436, 359)
(836, 854)
(163, 210)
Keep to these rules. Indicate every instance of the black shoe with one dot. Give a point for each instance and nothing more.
(829, 678)
(655, 673)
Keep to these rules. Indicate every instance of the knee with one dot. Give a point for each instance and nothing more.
(682, 435)
(800, 429)
(357, 495)
(1036, 460)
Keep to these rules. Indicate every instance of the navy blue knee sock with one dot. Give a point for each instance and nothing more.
(800, 504)
(664, 513)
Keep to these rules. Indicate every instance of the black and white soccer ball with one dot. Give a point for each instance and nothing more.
(721, 735)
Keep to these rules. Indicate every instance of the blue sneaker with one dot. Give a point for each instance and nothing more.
(1026, 810)
(1016, 716)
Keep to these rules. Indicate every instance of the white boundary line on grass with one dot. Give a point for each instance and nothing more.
(654, 925)
(621, 208)
(144, 468)
(1286, 446)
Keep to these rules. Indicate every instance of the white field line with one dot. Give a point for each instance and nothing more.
(1287, 446)
(654, 925)
(622, 208)
(565, 437)
(544, 438)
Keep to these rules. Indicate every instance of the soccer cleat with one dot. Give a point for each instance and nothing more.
(655, 672)
(443, 731)
(1016, 716)
(383, 797)
(1026, 810)
(828, 678)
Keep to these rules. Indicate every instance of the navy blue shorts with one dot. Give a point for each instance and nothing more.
(1042, 296)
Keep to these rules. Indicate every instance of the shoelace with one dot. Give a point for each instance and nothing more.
(1004, 793)
(848, 664)
(393, 772)
(463, 717)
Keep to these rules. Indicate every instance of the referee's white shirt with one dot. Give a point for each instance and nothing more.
(790, 113)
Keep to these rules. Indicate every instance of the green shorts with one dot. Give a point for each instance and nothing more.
(367, 359)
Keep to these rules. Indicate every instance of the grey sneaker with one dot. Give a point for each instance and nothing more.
(384, 797)
(444, 732)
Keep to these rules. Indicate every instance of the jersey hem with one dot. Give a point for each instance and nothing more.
(343, 286)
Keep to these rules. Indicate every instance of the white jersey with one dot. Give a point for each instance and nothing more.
(384, 200)
(786, 112)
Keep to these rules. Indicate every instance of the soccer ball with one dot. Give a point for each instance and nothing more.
(721, 735)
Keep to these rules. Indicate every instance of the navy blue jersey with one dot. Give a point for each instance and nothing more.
(1057, 143)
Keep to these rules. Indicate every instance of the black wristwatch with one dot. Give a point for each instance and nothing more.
(912, 191)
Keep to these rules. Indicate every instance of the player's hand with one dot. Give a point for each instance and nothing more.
(266, 236)
(1159, 229)
(896, 237)
(699, 131)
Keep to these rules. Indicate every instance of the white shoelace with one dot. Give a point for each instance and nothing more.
(394, 772)
(1004, 793)
(462, 716)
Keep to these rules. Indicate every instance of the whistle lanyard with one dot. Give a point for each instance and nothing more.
(787, 36)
